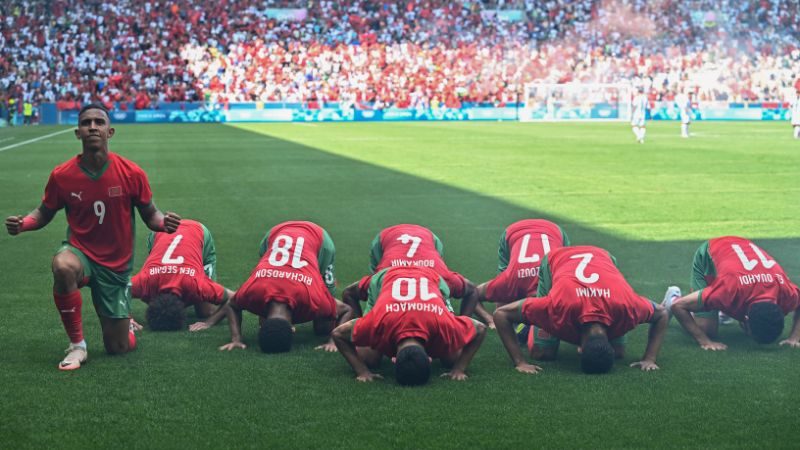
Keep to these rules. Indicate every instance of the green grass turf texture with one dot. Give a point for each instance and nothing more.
(650, 205)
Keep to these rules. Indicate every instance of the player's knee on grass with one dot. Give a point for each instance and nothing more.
(542, 345)
(115, 335)
(412, 366)
(323, 327)
(597, 355)
(275, 335)
(166, 313)
(765, 322)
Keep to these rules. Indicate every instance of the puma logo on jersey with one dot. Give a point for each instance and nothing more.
(78, 195)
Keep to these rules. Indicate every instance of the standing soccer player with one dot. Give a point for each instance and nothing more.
(796, 113)
(584, 300)
(408, 245)
(639, 113)
(523, 246)
(98, 190)
(684, 104)
(408, 318)
(733, 275)
(180, 271)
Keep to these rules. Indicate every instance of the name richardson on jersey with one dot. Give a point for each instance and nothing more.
(292, 276)
(179, 270)
(421, 307)
(413, 263)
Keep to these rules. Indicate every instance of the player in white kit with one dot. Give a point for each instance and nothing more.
(795, 109)
(684, 104)
(639, 110)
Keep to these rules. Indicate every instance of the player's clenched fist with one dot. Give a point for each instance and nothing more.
(14, 225)
(171, 222)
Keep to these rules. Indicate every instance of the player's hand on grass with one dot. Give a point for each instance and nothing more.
(14, 225)
(368, 376)
(199, 326)
(528, 368)
(645, 365)
(714, 346)
(171, 222)
(135, 326)
(233, 345)
(794, 343)
(455, 375)
(329, 347)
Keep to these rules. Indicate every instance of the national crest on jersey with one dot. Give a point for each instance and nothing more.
(99, 207)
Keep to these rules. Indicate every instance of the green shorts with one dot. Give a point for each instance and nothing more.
(111, 292)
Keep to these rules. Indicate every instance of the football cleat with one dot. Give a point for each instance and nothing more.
(75, 356)
(673, 293)
(522, 333)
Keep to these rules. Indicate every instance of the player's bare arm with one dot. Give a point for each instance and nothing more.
(794, 336)
(655, 337)
(344, 314)
(351, 297)
(504, 319)
(234, 314)
(158, 221)
(458, 372)
(342, 338)
(217, 315)
(36, 219)
(683, 308)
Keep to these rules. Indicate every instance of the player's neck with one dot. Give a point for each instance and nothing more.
(94, 160)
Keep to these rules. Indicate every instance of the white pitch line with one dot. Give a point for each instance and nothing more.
(7, 139)
(19, 144)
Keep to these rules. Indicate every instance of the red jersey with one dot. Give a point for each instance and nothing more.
(176, 265)
(410, 305)
(586, 287)
(409, 245)
(746, 274)
(99, 207)
(522, 248)
(289, 272)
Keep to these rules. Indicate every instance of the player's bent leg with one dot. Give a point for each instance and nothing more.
(116, 335)
(371, 357)
(542, 345)
(67, 272)
(708, 321)
(323, 326)
(204, 310)
(68, 275)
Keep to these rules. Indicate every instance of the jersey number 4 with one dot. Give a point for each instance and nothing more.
(413, 240)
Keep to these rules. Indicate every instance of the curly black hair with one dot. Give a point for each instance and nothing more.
(166, 313)
(412, 366)
(597, 354)
(766, 322)
(275, 336)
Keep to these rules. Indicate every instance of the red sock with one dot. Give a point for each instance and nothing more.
(131, 341)
(69, 306)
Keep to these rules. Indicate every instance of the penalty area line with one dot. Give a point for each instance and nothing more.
(20, 144)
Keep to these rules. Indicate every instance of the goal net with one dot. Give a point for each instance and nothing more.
(576, 101)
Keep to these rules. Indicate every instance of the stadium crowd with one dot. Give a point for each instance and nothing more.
(380, 53)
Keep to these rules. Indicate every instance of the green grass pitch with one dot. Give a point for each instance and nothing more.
(651, 205)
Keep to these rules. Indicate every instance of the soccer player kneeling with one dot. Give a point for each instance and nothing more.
(584, 300)
(179, 271)
(409, 318)
(293, 283)
(733, 275)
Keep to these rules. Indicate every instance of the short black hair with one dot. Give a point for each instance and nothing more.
(99, 106)
(597, 354)
(275, 336)
(412, 366)
(766, 322)
(166, 313)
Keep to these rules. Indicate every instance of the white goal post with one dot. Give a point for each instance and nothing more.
(576, 101)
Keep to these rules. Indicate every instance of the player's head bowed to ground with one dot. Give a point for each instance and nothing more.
(734, 276)
(293, 283)
(582, 299)
(409, 319)
(98, 190)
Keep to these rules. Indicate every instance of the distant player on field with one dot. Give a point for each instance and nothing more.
(407, 318)
(733, 275)
(180, 271)
(684, 105)
(293, 283)
(638, 114)
(408, 245)
(584, 300)
(523, 246)
(796, 112)
(98, 189)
